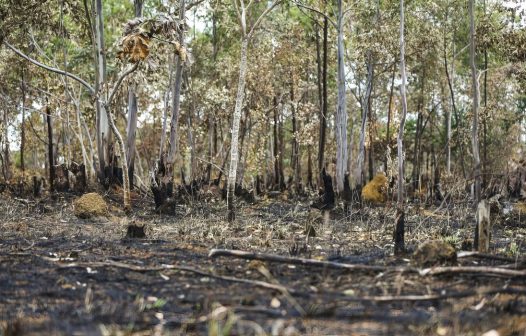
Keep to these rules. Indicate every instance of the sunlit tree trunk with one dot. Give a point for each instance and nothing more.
(176, 105)
(131, 127)
(476, 94)
(400, 225)
(475, 124)
(388, 126)
(247, 33)
(166, 106)
(234, 151)
(22, 125)
(341, 112)
(102, 124)
(324, 110)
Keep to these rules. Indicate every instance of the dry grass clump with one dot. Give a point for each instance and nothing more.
(90, 205)
(434, 252)
(376, 190)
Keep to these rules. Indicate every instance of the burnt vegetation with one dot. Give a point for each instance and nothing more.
(262, 168)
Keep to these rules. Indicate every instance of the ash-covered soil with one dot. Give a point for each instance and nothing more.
(61, 275)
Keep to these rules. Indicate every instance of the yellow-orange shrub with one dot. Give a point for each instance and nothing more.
(376, 190)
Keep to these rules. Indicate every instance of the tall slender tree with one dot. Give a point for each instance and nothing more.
(247, 33)
(400, 217)
(341, 110)
(475, 108)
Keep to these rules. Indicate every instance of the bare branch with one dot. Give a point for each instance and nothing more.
(260, 18)
(52, 69)
(193, 4)
(119, 82)
(299, 4)
(238, 15)
(214, 253)
(496, 271)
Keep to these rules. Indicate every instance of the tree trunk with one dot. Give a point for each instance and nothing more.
(448, 117)
(51, 160)
(451, 82)
(341, 112)
(81, 139)
(295, 145)
(275, 149)
(281, 154)
(323, 111)
(365, 113)
(124, 160)
(166, 107)
(22, 126)
(131, 130)
(191, 142)
(166, 173)
(6, 159)
(234, 151)
(131, 127)
(104, 142)
(399, 230)
(319, 80)
(211, 132)
(389, 105)
(372, 121)
(484, 120)
(474, 129)
(138, 7)
(418, 135)
(476, 94)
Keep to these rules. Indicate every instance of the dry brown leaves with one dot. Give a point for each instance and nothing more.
(135, 48)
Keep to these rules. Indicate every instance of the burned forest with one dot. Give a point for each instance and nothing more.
(247, 167)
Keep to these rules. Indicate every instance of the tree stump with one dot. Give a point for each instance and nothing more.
(399, 232)
(61, 182)
(483, 226)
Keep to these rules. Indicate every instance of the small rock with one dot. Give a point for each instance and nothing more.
(434, 253)
(90, 205)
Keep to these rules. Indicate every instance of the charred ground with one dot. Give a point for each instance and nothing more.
(63, 275)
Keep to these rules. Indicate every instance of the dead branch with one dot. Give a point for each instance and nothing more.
(474, 254)
(52, 69)
(432, 297)
(490, 271)
(484, 270)
(135, 268)
(214, 253)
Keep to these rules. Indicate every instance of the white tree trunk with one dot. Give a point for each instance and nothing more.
(166, 105)
(131, 127)
(234, 151)
(400, 139)
(341, 112)
(176, 103)
(103, 127)
(476, 94)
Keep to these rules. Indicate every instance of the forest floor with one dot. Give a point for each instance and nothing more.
(60, 275)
